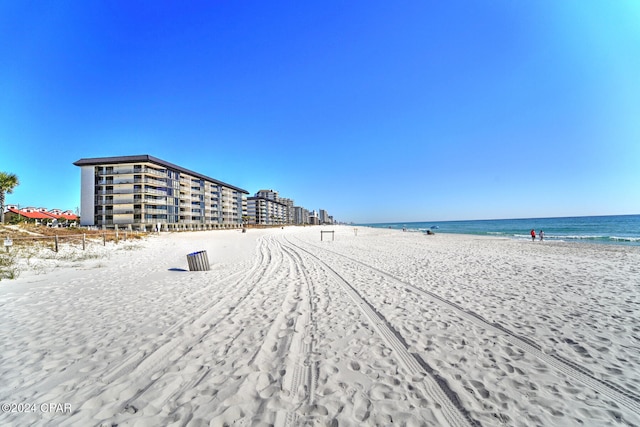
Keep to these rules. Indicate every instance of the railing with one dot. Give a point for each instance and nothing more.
(117, 202)
(150, 181)
(109, 192)
(132, 191)
(142, 171)
(145, 201)
(118, 212)
(154, 211)
(117, 172)
(150, 191)
(111, 182)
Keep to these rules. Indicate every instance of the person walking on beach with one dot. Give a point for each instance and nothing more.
(541, 234)
(533, 235)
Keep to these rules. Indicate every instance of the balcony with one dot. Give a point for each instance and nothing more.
(112, 182)
(151, 181)
(116, 202)
(117, 212)
(132, 191)
(112, 192)
(116, 172)
(151, 211)
(131, 171)
(127, 201)
(150, 191)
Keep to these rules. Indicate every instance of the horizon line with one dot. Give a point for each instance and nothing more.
(493, 219)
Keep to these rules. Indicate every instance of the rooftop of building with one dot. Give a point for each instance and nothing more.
(39, 214)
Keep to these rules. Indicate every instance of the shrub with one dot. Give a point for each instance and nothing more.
(8, 267)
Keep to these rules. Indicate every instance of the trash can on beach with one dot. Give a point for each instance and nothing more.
(198, 261)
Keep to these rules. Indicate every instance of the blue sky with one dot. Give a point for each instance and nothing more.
(373, 110)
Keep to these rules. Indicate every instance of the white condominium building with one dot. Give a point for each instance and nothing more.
(264, 211)
(268, 208)
(144, 192)
(301, 215)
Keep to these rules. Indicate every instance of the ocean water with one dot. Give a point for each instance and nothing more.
(613, 230)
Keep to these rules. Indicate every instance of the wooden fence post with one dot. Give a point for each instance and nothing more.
(56, 243)
(104, 239)
(84, 241)
(322, 234)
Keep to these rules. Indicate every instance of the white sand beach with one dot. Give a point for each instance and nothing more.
(379, 327)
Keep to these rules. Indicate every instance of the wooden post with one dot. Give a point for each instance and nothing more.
(116, 236)
(322, 234)
(125, 236)
(84, 241)
(56, 243)
(104, 239)
(8, 243)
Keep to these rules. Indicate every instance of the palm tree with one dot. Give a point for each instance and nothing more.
(8, 181)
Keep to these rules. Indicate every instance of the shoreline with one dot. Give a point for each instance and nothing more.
(365, 328)
(580, 240)
(609, 230)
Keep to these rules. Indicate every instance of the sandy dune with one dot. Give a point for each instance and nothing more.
(378, 327)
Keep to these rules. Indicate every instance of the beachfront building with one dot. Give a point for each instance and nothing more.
(323, 216)
(146, 193)
(39, 215)
(289, 212)
(313, 218)
(28, 214)
(268, 208)
(300, 215)
(266, 211)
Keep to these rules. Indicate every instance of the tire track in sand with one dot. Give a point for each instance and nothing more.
(286, 348)
(275, 355)
(300, 382)
(451, 412)
(571, 369)
(152, 365)
(208, 321)
(76, 371)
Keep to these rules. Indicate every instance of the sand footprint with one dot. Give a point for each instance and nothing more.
(361, 407)
(480, 388)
